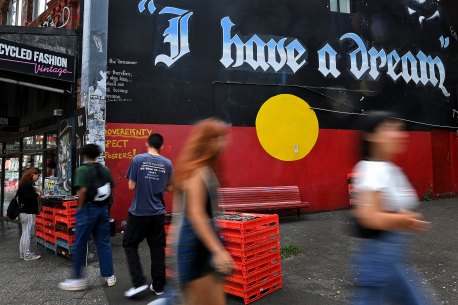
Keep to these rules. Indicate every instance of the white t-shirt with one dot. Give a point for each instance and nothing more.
(385, 177)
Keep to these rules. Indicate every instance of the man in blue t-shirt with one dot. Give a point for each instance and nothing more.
(149, 174)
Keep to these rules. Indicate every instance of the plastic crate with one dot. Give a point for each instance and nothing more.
(70, 204)
(256, 292)
(48, 210)
(255, 278)
(39, 221)
(251, 240)
(257, 264)
(48, 216)
(50, 238)
(244, 257)
(70, 239)
(69, 221)
(261, 222)
(39, 234)
(65, 212)
(61, 227)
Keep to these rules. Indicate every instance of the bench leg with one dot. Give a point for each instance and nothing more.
(298, 213)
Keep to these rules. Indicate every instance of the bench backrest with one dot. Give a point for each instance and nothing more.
(247, 195)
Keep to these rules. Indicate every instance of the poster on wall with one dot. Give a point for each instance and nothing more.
(80, 132)
(64, 155)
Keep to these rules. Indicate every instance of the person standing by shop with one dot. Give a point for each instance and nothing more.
(28, 197)
(150, 175)
(93, 182)
(385, 218)
(203, 261)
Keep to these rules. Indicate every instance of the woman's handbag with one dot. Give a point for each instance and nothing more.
(14, 208)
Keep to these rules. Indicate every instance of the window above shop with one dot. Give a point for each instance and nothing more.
(39, 6)
(15, 12)
(340, 6)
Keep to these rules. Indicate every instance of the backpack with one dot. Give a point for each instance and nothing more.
(99, 185)
(14, 208)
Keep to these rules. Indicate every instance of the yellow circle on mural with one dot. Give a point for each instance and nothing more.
(287, 127)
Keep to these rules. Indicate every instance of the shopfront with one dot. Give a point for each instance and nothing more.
(37, 98)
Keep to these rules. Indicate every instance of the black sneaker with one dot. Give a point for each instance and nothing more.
(157, 292)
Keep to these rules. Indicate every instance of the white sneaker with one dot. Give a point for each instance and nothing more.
(73, 285)
(31, 257)
(111, 280)
(156, 292)
(134, 291)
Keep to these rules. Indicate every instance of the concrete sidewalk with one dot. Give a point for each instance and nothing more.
(318, 277)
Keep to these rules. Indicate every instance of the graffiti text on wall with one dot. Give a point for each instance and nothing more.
(62, 19)
(118, 142)
(289, 54)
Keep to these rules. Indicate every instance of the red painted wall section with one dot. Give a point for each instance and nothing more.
(417, 162)
(321, 175)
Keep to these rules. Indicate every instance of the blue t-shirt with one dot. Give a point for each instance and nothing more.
(151, 174)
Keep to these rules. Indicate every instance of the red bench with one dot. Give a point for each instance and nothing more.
(261, 198)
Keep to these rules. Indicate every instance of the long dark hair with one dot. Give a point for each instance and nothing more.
(371, 121)
(27, 177)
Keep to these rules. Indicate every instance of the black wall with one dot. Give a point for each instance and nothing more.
(198, 85)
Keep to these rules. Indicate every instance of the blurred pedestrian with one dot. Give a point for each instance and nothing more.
(150, 174)
(203, 261)
(385, 217)
(93, 183)
(28, 197)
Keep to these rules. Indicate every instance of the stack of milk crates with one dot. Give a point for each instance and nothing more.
(253, 240)
(55, 227)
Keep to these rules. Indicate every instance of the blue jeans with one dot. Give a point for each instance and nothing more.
(382, 276)
(92, 219)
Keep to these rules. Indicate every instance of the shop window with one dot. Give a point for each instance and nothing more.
(12, 147)
(51, 141)
(11, 180)
(33, 143)
(340, 6)
(15, 12)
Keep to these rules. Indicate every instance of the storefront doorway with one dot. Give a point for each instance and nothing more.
(17, 155)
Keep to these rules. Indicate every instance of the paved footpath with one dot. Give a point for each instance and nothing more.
(318, 277)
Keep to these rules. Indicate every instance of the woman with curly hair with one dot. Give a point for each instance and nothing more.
(202, 258)
(28, 198)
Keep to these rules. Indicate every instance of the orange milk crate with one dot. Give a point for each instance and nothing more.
(258, 291)
(69, 221)
(47, 209)
(243, 269)
(70, 204)
(244, 257)
(39, 234)
(260, 222)
(250, 240)
(51, 238)
(65, 212)
(256, 277)
(70, 239)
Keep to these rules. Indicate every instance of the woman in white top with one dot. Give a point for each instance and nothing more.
(385, 217)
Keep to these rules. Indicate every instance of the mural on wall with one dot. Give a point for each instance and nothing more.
(64, 155)
(272, 55)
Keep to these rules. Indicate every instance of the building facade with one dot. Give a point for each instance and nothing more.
(39, 59)
(291, 78)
